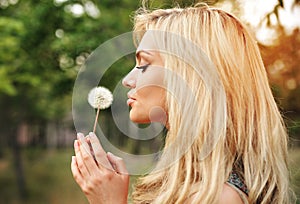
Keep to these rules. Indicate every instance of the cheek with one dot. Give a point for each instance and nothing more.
(150, 105)
(150, 87)
(152, 96)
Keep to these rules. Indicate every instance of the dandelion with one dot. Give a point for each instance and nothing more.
(99, 98)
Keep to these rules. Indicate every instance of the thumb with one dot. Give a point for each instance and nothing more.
(117, 163)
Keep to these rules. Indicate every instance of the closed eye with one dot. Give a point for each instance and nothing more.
(143, 68)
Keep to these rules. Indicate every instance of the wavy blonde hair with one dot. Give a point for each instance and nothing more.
(252, 139)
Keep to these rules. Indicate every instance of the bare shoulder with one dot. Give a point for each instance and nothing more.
(230, 195)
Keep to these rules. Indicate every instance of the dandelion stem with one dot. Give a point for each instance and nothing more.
(96, 120)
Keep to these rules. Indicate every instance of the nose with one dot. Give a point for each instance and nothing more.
(130, 79)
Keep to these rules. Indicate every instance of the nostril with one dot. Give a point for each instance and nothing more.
(131, 83)
(128, 83)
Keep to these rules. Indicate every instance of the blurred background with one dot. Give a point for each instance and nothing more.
(43, 44)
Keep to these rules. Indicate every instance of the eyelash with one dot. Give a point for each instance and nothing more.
(143, 68)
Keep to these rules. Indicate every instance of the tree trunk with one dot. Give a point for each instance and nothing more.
(18, 164)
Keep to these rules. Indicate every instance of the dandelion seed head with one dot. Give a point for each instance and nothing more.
(100, 97)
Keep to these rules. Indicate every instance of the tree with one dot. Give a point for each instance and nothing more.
(43, 44)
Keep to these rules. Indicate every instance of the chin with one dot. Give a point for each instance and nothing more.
(137, 118)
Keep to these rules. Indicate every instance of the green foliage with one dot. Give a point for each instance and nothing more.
(41, 45)
(11, 56)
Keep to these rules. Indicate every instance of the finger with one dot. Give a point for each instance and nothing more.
(75, 171)
(118, 163)
(83, 142)
(91, 149)
(100, 154)
(87, 157)
(79, 160)
(89, 143)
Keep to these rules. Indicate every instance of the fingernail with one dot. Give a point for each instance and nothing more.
(80, 135)
(92, 134)
(88, 138)
(111, 154)
(76, 143)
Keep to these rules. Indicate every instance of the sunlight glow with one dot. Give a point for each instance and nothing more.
(6, 3)
(290, 17)
(276, 67)
(256, 10)
(76, 9)
(59, 2)
(91, 9)
(59, 33)
(291, 84)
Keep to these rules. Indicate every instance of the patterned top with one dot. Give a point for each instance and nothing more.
(236, 181)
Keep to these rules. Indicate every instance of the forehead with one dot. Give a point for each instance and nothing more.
(147, 43)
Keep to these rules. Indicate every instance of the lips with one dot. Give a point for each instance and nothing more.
(130, 100)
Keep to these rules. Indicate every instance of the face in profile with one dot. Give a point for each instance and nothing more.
(147, 93)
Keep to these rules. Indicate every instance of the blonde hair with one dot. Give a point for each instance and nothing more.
(252, 140)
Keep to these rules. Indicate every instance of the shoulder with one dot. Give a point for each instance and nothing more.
(229, 195)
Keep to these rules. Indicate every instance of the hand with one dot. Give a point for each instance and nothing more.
(102, 176)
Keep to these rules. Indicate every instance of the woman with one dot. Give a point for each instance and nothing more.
(224, 127)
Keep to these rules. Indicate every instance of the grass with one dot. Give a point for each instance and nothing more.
(294, 160)
(49, 179)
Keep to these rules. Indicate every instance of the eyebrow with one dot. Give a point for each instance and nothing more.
(137, 54)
